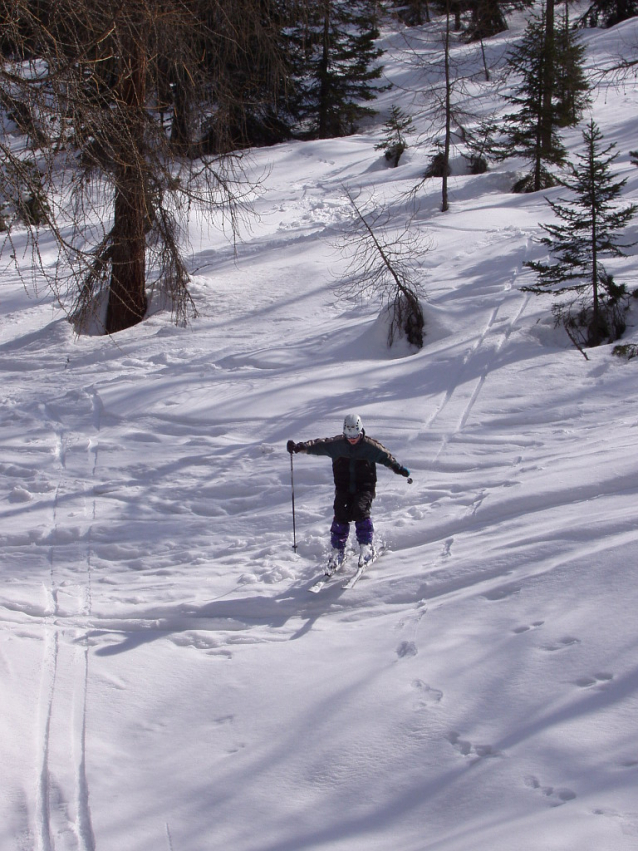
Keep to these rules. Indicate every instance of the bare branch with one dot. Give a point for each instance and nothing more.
(386, 267)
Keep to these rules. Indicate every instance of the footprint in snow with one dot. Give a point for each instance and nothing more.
(561, 644)
(428, 696)
(501, 593)
(556, 796)
(519, 630)
(407, 648)
(601, 680)
(627, 822)
(467, 749)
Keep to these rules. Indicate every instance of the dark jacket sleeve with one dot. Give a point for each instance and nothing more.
(332, 447)
(378, 454)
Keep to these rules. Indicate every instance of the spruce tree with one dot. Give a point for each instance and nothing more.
(487, 18)
(572, 91)
(336, 66)
(394, 142)
(608, 13)
(531, 132)
(413, 13)
(588, 230)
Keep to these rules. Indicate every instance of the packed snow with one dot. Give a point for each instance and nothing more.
(167, 680)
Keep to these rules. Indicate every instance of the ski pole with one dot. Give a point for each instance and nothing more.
(292, 486)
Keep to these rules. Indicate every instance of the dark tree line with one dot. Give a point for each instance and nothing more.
(608, 13)
(476, 19)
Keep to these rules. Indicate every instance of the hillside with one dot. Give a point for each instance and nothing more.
(169, 683)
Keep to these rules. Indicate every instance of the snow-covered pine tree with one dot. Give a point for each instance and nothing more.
(588, 230)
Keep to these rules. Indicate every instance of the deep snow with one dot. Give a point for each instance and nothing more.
(168, 682)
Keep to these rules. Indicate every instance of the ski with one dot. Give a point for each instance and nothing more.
(330, 571)
(316, 588)
(352, 581)
(361, 567)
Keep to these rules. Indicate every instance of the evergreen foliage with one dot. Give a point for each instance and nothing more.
(531, 131)
(487, 18)
(552, 91)
(250, 109)
(572, 90)
(438, 166)
(394, 143)
(587, 231)
(608, 13)
(413, 13)
(336, 65)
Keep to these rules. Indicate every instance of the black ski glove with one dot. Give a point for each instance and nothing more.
(291, 446)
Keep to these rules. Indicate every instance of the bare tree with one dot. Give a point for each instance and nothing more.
(445, 92)
(386, 266)
(102, 77)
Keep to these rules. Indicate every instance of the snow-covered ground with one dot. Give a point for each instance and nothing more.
(167, 680)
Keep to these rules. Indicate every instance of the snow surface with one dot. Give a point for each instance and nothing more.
(167, 680)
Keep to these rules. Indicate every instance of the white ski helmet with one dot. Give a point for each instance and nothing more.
(352, 426)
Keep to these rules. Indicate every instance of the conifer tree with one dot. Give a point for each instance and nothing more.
(413, 13)
(336, 65)
(572, 90)
(608, 13)
(531, 132)
(487, 18)
(394, 142)
(588, 231)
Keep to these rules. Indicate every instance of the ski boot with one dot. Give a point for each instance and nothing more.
(366, 554)
(335, 560)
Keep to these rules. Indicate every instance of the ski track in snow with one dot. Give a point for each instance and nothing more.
(63, 814)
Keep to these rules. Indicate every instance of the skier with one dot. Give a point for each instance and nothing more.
(354, 459)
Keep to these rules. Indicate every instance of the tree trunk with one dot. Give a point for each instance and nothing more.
(594, 233)
(127, 294)
(549, 83)
(181, 126)
(325, 130)
(448, 114)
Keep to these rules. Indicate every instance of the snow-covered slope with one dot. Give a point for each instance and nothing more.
(167, 680)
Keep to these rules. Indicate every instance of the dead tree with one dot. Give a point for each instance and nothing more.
(386, 267)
